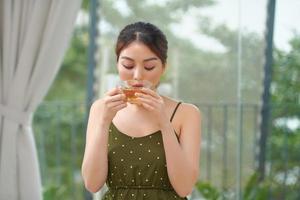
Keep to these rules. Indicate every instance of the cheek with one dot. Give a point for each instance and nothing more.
(157, 74)
(154, 76)
(123, 73)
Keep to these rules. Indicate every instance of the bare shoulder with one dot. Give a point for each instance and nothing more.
(190, 108)
(189, 112)
(185, 110)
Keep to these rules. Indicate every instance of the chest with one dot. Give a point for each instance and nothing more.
(134, 125)
(138, 151)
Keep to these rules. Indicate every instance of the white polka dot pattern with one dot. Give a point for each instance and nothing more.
(137, 168)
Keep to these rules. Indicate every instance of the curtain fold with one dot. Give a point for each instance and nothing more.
(33, 39)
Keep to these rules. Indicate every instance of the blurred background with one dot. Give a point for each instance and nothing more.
(222, 59)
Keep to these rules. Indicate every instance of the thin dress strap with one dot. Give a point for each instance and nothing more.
(175, 111)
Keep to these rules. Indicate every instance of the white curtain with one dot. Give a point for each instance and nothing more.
(34, 35)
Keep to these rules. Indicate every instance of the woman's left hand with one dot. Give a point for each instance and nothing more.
(154, 103)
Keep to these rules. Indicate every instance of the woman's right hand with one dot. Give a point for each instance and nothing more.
(108, 106)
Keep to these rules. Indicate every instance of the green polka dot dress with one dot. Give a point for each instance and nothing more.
(137, 167)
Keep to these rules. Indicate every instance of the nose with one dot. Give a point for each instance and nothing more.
(138, 74)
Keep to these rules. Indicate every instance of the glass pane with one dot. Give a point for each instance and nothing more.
(209, 42)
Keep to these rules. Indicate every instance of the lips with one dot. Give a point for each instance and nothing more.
(138, 85)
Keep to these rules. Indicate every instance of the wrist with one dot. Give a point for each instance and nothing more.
(102, 128)
(104, 122)
(98, 109)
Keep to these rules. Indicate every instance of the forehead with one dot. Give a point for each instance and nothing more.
(137, 50)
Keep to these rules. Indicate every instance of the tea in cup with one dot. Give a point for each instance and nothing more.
(130, 87)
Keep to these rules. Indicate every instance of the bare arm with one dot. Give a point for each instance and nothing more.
(95, 162)
(182, 157)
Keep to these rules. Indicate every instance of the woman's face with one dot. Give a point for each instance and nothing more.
(138, 62)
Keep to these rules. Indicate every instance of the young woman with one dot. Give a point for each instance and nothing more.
(148, 150)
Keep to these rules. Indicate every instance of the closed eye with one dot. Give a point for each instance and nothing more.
(149, 68)
(127, 66)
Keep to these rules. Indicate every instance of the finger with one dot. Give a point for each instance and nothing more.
(116, 103)
(109, 99)
(117, 97)
(148, 101)
(113, 91)
(147, 106)
(119, 107)
(150, 92)
(146, 96)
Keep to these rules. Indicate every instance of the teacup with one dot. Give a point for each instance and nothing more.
(130, 87)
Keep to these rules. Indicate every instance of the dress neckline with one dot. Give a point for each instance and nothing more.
(141, 137)
(138, 137)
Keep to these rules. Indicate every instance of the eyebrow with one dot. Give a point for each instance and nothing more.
(127, 58)
(149, 59)
(146, 60)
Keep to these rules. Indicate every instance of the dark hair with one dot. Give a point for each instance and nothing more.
(146, 33)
